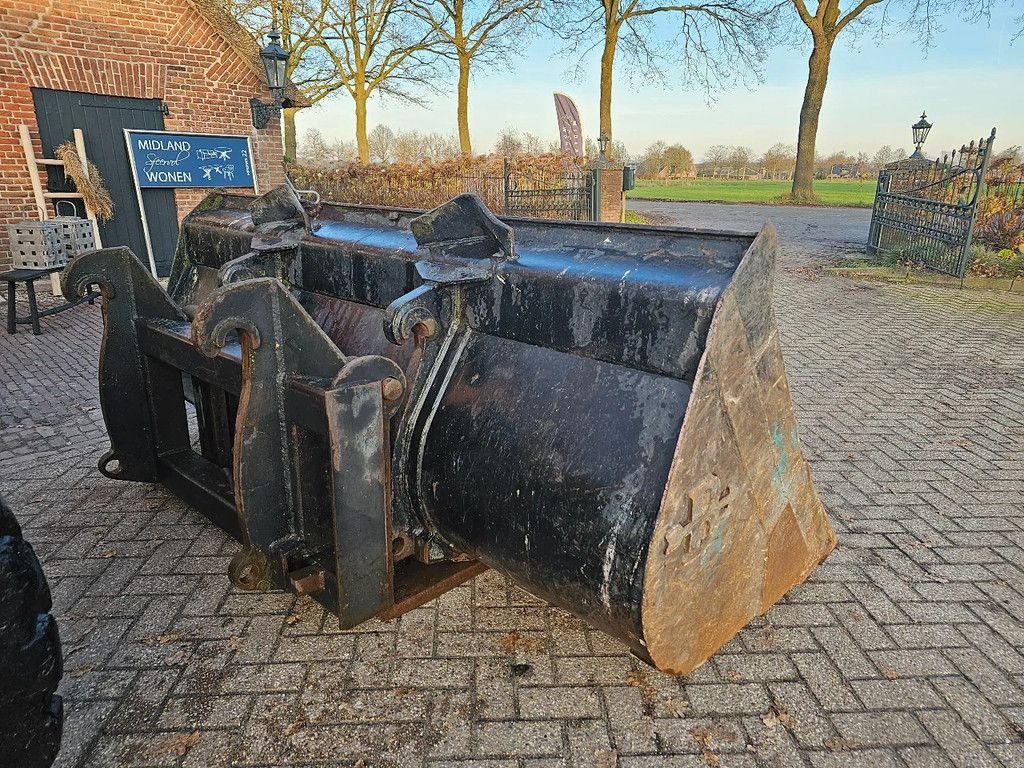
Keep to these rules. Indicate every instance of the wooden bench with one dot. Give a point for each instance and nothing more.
(28, 277)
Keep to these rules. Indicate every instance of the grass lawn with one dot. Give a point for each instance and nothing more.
(856, 193)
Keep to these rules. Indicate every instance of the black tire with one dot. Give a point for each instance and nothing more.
(31, 714)
(24, 594)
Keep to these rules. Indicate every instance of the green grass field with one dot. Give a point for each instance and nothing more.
(859, 193)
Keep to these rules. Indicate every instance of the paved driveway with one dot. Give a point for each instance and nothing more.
(903, 649)
(803, 230)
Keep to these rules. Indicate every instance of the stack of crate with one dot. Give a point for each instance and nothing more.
(50, 244)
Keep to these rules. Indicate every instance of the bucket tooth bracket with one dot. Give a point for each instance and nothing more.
(464, 243)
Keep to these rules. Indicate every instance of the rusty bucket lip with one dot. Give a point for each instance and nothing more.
(729, 457)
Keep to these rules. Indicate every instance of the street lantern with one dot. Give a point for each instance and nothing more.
(920, 129)
(275, 63)
(602, 145)
(275, 66)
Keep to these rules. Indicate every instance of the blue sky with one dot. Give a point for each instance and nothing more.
(970, 81)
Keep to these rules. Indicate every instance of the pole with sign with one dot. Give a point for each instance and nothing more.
(166, 160)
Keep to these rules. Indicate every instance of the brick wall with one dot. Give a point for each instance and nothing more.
(162, 49)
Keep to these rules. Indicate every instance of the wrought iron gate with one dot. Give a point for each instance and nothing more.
(556, 197)
(924, 210)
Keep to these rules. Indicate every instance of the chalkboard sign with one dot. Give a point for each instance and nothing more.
(163, 159)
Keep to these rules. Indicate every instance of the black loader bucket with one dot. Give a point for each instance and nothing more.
(379, 404)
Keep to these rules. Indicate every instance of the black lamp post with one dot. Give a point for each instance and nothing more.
(275, 65)
(602, 146)
(920, 129)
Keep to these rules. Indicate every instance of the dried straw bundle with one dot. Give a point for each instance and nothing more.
(89, 183)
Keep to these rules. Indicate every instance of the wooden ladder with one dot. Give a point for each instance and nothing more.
(43, 197)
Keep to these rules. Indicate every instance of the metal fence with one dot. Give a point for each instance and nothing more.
(924, 211)
(570, 196)
(515, 192)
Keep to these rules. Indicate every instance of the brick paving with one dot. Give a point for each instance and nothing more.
(903, 649)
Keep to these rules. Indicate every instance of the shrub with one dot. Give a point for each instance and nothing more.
(987, 262)
(1000, 222)
(427, 184)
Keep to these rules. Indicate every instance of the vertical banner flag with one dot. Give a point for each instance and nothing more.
(570, 127)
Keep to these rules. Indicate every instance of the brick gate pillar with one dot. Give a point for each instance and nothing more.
(611, 200)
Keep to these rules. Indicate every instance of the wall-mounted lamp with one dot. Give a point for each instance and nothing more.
(275, 65)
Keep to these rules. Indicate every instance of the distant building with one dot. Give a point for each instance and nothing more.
(670, 172)
(845, 171)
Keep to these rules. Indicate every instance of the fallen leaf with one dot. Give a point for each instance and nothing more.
(511, 642)
(777, 714)
(108, 553)
(82, 671)
(889, 673)
(292, 728)
(839, 744)
(178, 743)
(606, 758)
(639, 680)
(302, 611)
(734, 674)
(711, 758)
(677, 707)
(235, 643)
(701, 736)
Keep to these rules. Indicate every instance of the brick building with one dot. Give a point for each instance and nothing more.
(106, 65)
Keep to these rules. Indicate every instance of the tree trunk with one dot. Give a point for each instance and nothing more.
(464, 141)
(360, 97)
(290, 146)
(611, 39)
(817, 76)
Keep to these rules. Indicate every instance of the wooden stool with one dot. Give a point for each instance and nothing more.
(28, 277)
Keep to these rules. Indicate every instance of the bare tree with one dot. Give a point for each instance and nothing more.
(886, 155)
(741, 158)
(778, 160)
(716, 156)
(382, 144)
(480, 32)
(379, 47)
(652, 160)
(313, 149)
(512, 143)
(711, 43)
(302, 25)
(825, 20)
(341, 152)
(678, 160)
(413, 146)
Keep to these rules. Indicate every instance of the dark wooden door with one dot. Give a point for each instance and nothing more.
(103, 120)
